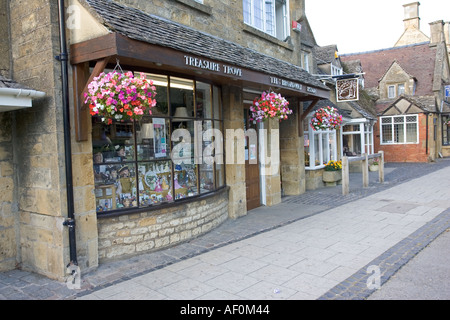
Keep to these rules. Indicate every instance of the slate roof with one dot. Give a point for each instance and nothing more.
(11, 84)
(417, 60)
(138, 25)
(325, 54)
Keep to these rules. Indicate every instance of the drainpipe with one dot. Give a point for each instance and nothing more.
(63, 58)
(426, 143)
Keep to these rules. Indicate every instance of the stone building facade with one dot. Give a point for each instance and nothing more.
(173, 40)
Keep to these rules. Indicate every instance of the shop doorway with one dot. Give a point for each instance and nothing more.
(252, 176)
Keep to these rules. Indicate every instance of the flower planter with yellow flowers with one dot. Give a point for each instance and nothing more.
(333, 173)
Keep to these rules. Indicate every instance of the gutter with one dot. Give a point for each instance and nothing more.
(63, 58)
(19, 93)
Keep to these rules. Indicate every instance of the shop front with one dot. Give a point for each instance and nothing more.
(198, 159)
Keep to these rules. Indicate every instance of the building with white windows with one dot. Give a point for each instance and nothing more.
(408, 83)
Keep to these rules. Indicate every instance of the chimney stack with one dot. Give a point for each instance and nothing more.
(436, 32)
(412, 15)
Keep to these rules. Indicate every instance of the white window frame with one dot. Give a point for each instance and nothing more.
(391, 96)
(275, 16)
(305, 60)
(402, 85)
(329, 135)
(392, 125)
(336, 71)
(365, 132)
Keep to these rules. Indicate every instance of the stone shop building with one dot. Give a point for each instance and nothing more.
(123, 193)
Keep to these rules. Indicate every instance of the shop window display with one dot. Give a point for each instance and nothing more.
(134, 165)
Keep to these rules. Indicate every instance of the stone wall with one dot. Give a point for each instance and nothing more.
(224, 19)
(132, 234)
(38, 144)
(292, 155)
(4, 40)
(8, 231)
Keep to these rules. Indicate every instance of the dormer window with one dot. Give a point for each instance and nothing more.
(335, 71)
(395, 90)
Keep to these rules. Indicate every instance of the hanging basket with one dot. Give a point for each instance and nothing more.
(270, 106)
(120, 96)
(327, 118)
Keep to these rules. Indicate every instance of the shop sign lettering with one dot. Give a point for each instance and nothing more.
(286, 83)
(212, 66)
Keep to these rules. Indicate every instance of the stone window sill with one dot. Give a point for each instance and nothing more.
(197, 6)
(267, 37)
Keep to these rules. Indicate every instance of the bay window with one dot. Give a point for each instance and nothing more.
(140, 164)
(357, 138)
(320, 147)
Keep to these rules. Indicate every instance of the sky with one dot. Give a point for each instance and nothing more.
(358, 26)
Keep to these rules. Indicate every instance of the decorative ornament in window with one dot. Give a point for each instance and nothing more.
(120, 96)
(447, 122)
(270, 106)
(327, 118)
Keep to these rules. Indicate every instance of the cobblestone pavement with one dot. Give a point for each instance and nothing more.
(292, 216)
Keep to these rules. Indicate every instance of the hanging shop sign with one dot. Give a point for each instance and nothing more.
(347, 90)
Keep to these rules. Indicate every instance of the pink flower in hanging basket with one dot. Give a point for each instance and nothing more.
(327, 118)
(270, 106)
(120, 96)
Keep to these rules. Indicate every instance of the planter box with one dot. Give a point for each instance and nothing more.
(373, 167)
(331, 178)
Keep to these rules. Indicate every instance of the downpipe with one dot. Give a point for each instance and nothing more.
(63, 58)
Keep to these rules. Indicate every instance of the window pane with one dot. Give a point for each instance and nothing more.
(126, 186)
(270, 17)
(399, 133)
(113, 143)
(247, 11)
(386, 120)
(332, 144)
(391, 92)
(401, 89)
(411, 132)
(387, 133)
(316, 149)
(411, 119)
(220, 175)
(181, 97)
(153, 139)
(216, 103)
(258, 16)
(160, 83)
(185, 176)
(445, 131)
(325, 145)
(206, 177)
(155, 183)
(203, 100)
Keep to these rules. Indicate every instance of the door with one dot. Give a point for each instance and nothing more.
(252, 178)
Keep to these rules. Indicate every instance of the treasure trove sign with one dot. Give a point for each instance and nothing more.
(212, 66)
